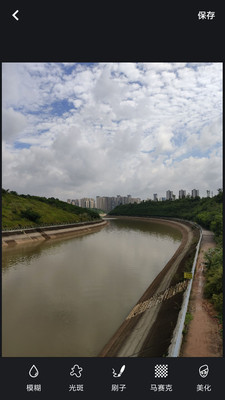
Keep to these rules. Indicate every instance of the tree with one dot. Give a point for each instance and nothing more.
(217, 224)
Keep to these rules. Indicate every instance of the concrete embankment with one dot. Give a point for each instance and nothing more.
(19, 236)
(148, 333)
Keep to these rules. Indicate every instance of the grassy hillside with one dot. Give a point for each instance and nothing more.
(29, 211)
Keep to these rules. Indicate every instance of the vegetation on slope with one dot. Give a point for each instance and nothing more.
(19, 211)
(207, 212)
(213, 289)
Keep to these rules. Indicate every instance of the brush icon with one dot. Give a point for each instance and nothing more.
(115, 375)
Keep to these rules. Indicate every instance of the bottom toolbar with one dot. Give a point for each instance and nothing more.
(108, 376)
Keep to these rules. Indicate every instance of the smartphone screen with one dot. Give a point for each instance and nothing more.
(112, 201)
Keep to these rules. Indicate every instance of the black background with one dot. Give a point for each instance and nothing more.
(111, 31)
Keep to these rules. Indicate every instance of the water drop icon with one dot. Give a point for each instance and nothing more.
(33, 371)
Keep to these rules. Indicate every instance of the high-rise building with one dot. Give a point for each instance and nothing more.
(208, 193)
(75, 202)
(84, 203)
(108, 203)
(155, 197)
(98, 202)
(194, 193)
(87, 202)
(182, 194)
(169, 195)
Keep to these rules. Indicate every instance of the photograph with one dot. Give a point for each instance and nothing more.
(112, 210)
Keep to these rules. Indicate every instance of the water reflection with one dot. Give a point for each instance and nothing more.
(67, 297)
(25, 253)
(148, 227)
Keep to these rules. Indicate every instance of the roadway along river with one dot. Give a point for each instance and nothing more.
(67, 297)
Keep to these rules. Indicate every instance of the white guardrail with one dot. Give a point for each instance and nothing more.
(174, 348)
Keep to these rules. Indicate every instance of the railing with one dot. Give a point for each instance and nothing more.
(27, 229)
(174, 348)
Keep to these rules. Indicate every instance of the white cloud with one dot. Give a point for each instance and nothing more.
(13, 123)
(136, 128)
(164, 137)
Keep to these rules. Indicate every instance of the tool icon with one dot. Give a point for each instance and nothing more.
(33, 372)
(76, 370)
(203, 370)
(161, 370)
(115, 375)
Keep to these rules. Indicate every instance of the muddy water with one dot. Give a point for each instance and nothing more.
(67, 297)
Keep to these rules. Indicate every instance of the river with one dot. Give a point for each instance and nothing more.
(66, 298)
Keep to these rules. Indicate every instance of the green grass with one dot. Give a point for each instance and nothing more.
(14, 206)
(188, 319)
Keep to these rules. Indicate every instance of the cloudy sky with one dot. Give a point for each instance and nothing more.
(81, 130)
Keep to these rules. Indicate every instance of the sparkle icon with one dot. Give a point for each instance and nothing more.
(76, 371)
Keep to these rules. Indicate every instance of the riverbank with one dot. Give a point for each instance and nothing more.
(148, 334)
(16, 237)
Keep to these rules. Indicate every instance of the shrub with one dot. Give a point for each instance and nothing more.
(218, 302)
(30, 214)
(214, 278)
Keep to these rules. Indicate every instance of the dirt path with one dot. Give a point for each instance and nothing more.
(203, 338)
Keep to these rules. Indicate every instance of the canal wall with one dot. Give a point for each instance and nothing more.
(148, 332)
(30, 235)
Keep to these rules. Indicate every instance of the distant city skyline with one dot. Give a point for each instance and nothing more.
(87, 129)
(107, 203)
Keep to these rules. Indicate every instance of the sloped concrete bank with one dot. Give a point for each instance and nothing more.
(149, 333)
(10, 238)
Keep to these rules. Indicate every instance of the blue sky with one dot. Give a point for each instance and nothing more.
(81, 130)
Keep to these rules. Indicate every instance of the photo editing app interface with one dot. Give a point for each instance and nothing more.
(112, 223)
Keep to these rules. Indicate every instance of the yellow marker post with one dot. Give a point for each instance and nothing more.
(187, 275)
